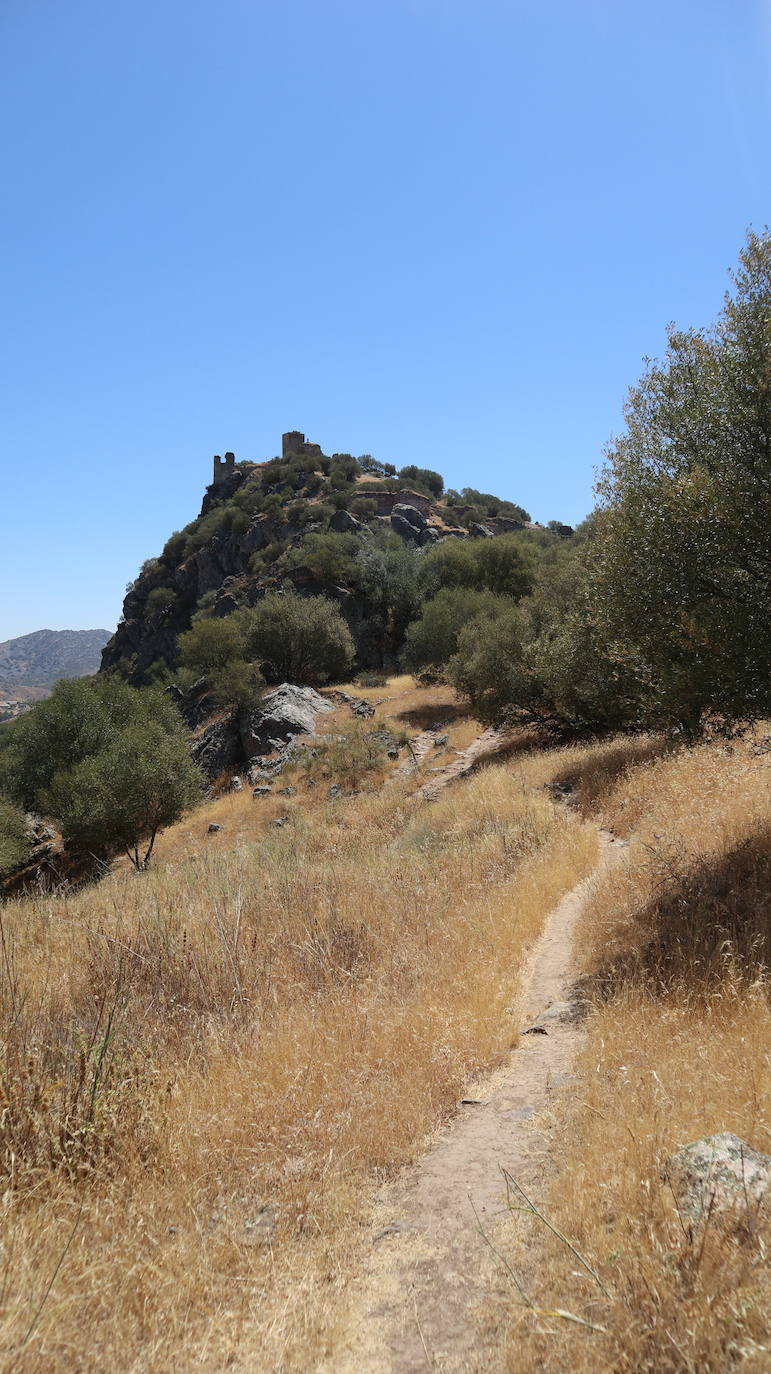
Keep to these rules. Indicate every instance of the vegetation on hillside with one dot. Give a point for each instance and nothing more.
(110, 763)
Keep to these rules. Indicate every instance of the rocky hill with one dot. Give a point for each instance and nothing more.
(301, 522)
(40, 658)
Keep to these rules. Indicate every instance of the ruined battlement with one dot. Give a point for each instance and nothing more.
(223, 468)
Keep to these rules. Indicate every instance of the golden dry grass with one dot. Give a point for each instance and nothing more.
(675, 944)
(206, 1068)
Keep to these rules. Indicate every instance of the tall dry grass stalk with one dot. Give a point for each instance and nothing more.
(206, 1068)
(675, 945)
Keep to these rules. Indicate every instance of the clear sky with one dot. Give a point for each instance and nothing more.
(438, 231)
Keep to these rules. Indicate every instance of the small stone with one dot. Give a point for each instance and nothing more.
(280, 820)
(287, 792)
(236, 785)
(335, 791)
(262, 791)
(440, 741)
(214, 827)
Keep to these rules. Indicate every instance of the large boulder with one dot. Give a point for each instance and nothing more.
(411, 514)
(717, 1175)
(283, 713)
(342, 522)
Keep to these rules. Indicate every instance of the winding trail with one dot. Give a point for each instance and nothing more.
(420, 1305)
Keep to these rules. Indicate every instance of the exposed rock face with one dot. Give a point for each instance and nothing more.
(282, 713)
(343, 522)
(408, 522)
(410, 513)
(218, 750)
(720, 1174)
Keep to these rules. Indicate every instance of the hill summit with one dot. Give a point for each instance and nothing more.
(309, 523)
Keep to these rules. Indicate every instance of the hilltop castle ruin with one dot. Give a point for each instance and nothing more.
(293, 445)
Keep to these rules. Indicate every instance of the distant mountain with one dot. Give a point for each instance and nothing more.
(38, 659)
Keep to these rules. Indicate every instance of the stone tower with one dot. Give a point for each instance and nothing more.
(223, 470)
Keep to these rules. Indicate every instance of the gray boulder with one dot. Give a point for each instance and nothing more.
(411, 514)
(717, 1175)
(342, 522)
(480, 532)
(283, 713)
(404, 528)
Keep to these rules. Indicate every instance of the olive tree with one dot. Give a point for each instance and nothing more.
(681, 570)
(111, 763)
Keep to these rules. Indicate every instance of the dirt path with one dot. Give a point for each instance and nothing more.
(486, 746)
(430, 1267)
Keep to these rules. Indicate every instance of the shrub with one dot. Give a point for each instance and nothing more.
(504, 565)
(109, 761)
(346, 758)
(431, 481)
(433, 639)
(298, 639)
(160, 599)
(14, 841)
(210, 645)
(362, 508)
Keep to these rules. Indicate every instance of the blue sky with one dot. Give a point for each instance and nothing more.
(437, 231)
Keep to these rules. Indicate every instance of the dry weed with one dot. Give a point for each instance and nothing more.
(676, 943)
(241, 1042)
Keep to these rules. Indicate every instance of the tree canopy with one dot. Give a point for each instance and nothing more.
(109, 762)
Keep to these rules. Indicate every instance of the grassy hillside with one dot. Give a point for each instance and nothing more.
(207, 1067)
(674, 947)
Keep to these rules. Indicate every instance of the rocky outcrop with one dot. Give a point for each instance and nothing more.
(218, 750)
(283, 713)
(719, 1175)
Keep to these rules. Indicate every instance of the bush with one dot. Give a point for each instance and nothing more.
(489, 667)
(110, 762)
(238, 687)
(433, 639)
(210, 645)
(298, 639)
(14, 841)
(160, 599)
(504, 565)
(331, 557)
(348, 758)
(425, 478)
(362, 508)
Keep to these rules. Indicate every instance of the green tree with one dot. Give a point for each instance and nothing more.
(432, 640)
(14, 841)
(504, 565)
(110, 762)
(210, 645)
(299, 639)
(681, 570)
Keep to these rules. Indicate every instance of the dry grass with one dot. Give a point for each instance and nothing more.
(675, 944)
(206, 1068)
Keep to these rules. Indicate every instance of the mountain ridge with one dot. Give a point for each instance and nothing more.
(40, 658)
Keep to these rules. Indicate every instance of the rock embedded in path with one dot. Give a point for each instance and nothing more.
(718, 1175)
